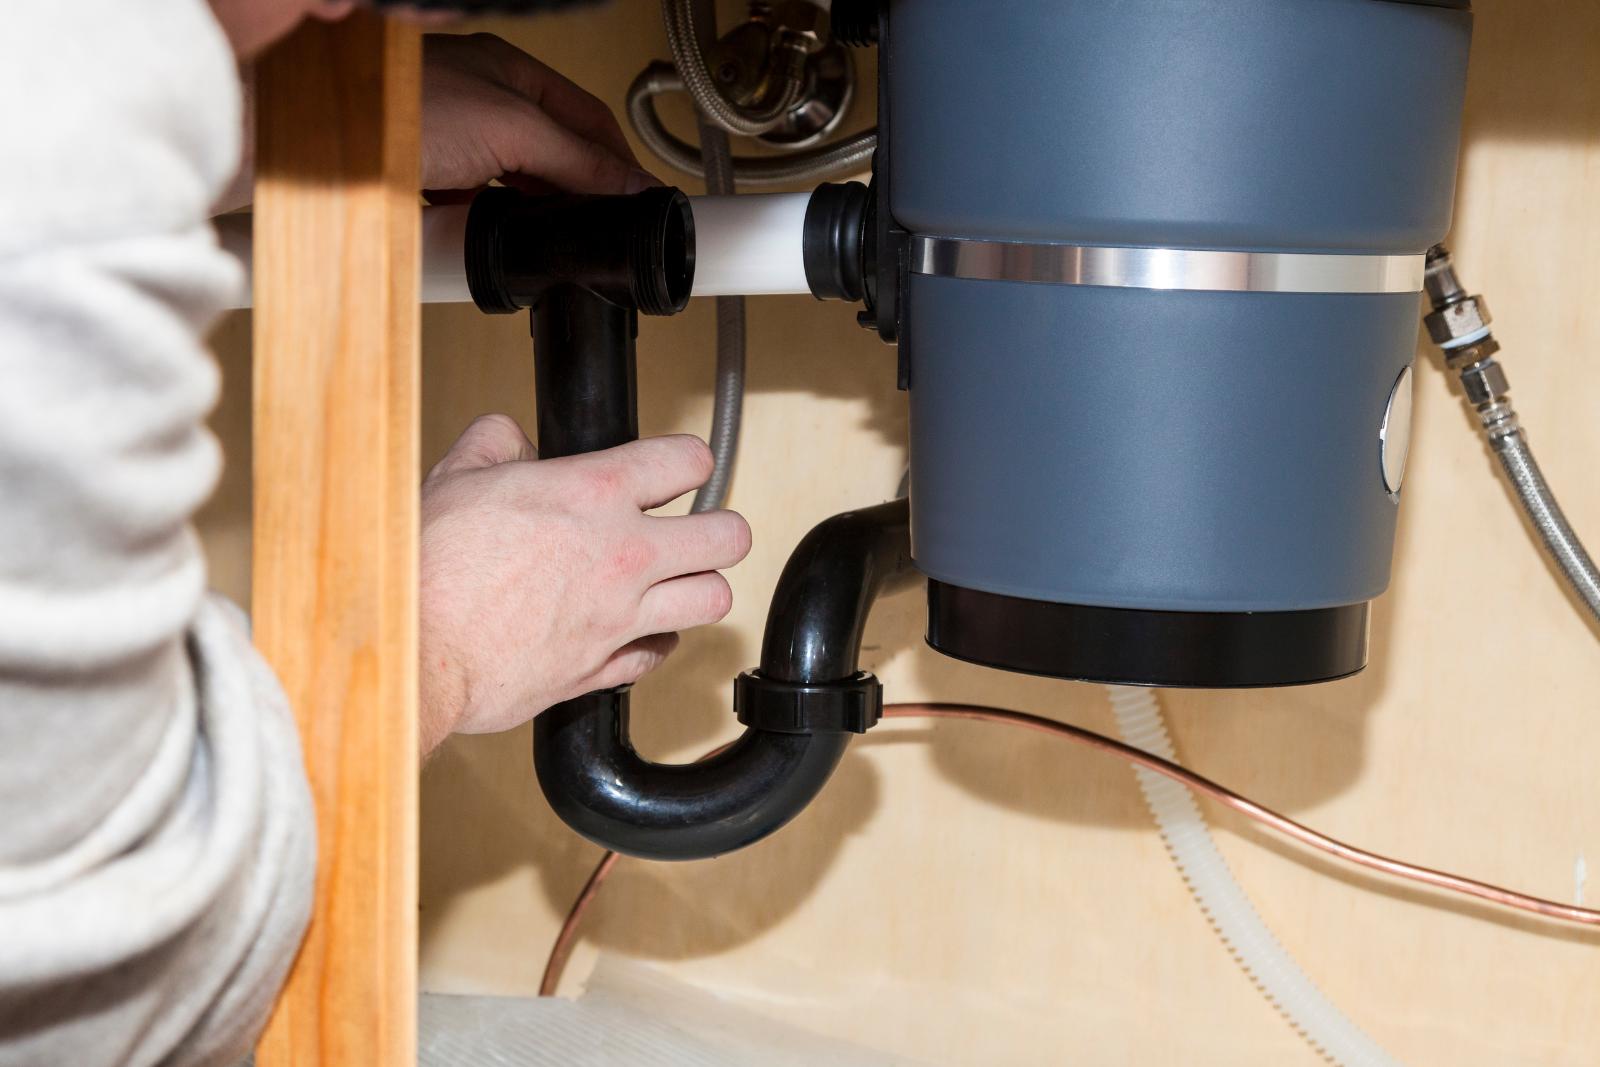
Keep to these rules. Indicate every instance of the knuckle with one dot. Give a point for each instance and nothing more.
(615, 620)
(608, 480)
(627, 670)
(436, 474)
(598, 482)
(633, 557)
(602, 169)
(495, 423)
(635, 665)
(633, 662)
(489, 439)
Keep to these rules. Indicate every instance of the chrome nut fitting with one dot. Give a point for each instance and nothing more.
(1459, 359)
(1485, 383)
(1461, 319)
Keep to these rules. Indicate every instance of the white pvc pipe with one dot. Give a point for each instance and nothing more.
(444, 276)
(444, 238)
(744, 246)
(1243, 932)
(749, 245)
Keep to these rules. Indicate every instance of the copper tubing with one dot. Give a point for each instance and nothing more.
(1491, 894)
(1507, 898)
(561, 951)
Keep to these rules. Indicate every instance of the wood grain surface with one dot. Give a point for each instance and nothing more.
(336, 354)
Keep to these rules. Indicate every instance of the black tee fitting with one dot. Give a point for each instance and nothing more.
(636, 251)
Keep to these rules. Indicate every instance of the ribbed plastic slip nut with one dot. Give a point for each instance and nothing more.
(853, 705)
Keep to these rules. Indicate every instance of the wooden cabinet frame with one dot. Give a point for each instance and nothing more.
(336, 382)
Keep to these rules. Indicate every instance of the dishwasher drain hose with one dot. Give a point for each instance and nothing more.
(1251, 943)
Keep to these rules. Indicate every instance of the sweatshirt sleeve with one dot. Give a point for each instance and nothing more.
(156, 850)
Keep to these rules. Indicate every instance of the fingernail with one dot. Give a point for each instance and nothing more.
(640, 180)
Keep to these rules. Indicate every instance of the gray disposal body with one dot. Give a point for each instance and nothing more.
(1130, 462)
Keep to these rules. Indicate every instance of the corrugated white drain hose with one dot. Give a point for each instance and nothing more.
(1252, 944)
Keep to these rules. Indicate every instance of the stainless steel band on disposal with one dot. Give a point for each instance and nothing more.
(1166, 268)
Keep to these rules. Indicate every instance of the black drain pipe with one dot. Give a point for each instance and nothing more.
(800, 709)
(587, 266)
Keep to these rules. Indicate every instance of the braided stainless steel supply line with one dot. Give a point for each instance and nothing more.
(849, 156)
(1547, 517)
(727, 411)
(684, 40)
(1459, 325)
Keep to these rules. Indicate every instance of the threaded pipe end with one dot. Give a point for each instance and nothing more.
(662, 252)
(855, 22)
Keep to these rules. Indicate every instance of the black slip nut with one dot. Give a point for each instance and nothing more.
(852, 705)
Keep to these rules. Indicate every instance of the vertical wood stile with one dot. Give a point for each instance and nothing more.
(336, 377)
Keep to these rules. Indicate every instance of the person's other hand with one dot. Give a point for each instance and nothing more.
(542, 580)
(490, 110)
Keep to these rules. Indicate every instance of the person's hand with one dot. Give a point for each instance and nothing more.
(491, 111)
(542, 580)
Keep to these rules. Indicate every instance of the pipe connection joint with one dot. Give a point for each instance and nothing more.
(853, 705)
(839, 254)
(1459, 321)
(1482, 377)
(635, 252)
(1460, 325)
(1453, 323)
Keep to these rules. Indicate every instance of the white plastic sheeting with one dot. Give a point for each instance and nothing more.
(629, 1014)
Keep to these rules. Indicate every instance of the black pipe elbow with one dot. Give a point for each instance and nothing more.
(819, 608)
(607, 792)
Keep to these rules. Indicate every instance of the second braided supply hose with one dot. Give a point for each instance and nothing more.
(1246, 935)
(688, 24)
(727, 410)
(1544, 512)
(1460, 325)
(727, 405)
(852, 155)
